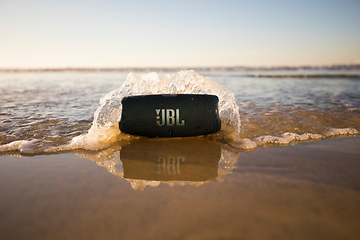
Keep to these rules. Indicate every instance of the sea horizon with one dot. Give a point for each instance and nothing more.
(236, 68)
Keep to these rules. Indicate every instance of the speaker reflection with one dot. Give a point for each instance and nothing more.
(174, 161)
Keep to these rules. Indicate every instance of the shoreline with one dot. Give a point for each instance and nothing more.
(310, 190)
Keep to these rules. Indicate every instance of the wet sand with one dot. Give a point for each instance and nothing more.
(305, 191)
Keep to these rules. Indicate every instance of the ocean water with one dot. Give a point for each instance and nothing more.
(67, 172)
(40, 111)
(56, 112)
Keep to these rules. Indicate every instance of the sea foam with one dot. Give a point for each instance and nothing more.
(23, 146)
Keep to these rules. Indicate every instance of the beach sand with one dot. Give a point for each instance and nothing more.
(309, 190)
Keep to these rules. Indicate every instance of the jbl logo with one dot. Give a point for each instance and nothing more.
(178, 115)
(169, 165)
(169, 117)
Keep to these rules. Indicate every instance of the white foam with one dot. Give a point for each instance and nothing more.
(286, 138)
(340, 131)
(23, 146)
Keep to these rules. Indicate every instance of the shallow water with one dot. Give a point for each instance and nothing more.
(305, 191)
(42, 111)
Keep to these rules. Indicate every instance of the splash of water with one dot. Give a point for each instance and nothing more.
(105, 128)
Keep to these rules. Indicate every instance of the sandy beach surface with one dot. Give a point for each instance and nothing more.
(309, 190)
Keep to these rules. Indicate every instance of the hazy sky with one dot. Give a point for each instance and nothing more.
(75, 33)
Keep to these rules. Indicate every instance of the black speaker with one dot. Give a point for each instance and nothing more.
(170, 115)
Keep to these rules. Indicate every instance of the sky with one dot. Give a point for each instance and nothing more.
(105, 33)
